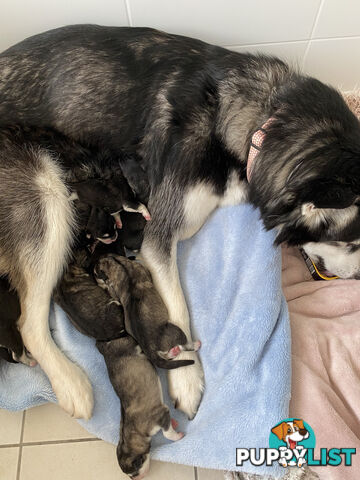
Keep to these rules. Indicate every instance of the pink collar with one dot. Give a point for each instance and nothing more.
(255, 146)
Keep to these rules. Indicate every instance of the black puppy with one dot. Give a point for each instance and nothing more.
(146, 316)
(11, 345)
(111, 195)
(143, 412)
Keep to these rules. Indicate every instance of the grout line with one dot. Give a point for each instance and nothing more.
(196, 473)
(58, 442)
(282, 42)
(312, 33)
(10, 445)
(20, 446)
(264, 43)
(128, 12)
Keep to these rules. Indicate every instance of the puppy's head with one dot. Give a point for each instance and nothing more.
(306, 179)
(101, 226)
(110, 274)
(132, 233)
(170, 336)
(135, 462)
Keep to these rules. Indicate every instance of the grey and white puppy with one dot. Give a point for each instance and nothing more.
(146, 316)
(143, 412)
(91, 309)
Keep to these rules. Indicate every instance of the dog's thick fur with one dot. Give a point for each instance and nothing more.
(189, 110)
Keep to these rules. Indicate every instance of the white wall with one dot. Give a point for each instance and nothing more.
(320, 36)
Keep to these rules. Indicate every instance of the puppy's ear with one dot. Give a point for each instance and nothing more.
(308, 209)
(280, 430)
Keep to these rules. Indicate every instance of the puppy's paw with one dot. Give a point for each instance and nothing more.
(186, 385)
(74, 392)
(25, 358)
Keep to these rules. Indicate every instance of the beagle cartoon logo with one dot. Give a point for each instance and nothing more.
(293, 438)
(292, 443)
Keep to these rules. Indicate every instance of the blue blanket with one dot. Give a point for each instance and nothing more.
(231, 275)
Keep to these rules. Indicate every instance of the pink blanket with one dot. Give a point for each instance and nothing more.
(325, 325)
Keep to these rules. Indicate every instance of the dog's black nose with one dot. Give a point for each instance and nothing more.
(303, 431)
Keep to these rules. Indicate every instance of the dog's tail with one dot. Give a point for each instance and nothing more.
(170, 364)
(42, 218)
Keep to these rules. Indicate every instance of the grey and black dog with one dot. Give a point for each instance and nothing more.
(189, 110)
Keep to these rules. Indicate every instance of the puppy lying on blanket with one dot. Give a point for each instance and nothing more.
(11, 345)
(146, 316)
(95, 313)
(143, 412)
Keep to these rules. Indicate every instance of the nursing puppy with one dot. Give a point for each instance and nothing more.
(35, 174)
(190, 114)
(12, 347)
(143, 412)
(146, 317)
(90, 308)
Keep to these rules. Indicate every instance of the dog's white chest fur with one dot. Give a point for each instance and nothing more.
(201, 199)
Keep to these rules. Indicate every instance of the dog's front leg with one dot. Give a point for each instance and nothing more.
(70, 384)
(186, 384)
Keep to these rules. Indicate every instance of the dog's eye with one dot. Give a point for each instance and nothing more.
(289, 430)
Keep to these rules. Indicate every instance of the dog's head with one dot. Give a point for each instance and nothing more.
(306, 180)
(291, 432)
(101, 226)
(132, 462)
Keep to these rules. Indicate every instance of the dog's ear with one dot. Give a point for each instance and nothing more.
(324, 192)
(300, 424)
(280, 430)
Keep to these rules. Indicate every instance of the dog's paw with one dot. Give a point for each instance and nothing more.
(301, 462)
(74, 392)
(186, 385)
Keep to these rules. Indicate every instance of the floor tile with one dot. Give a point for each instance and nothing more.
(70, 461)
(10, 426)
(166, 471)
(8, 463)
(87, 461)
(50, 422)
(206, 474)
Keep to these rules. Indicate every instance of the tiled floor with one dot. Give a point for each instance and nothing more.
(45, 442)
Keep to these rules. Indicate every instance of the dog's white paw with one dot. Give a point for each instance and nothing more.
(301, 462)
(74, 392)
(186, 385)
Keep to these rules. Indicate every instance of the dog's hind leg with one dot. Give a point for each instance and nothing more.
(41, 260)
(185, 384)
(171, 220)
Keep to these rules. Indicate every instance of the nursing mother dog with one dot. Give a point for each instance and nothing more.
(194, 114)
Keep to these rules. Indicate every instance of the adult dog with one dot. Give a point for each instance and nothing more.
(189, 110)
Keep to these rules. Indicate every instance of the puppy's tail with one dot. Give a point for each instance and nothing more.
(170, 364)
